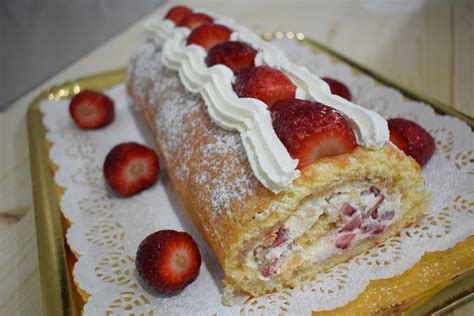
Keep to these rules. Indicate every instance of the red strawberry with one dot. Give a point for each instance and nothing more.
(168, 260)
(311, 130)
(412, 139)
(399, 141)
(193, 20)
(209, 35)
(130, 168)
(233, 54)
(91, 109)
(338, 88)
(177, 13)
(264, 83)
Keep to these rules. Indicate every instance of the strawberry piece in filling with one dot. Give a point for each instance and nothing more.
(353, 224)
(281, 237)
(387, 216)
(269, 268)
(347, 209)
(344, 241)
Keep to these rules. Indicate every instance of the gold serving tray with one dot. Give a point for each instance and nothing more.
(448, 275)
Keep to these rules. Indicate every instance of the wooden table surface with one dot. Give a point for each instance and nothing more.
(427, 46)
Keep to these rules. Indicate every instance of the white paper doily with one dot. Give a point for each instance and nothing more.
(106, 230)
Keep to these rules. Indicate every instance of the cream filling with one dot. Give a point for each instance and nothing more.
(285, 255)
(269, 159)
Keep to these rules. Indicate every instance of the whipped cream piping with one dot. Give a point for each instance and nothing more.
(269, 159)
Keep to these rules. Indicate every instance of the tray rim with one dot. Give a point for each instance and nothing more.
(59, 295)
(58, 292)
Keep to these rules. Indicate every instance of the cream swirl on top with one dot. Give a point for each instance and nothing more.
(269, 159)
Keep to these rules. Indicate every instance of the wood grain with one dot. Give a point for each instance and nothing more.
(427, 46)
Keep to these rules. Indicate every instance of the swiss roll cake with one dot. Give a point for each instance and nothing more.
(282, 177)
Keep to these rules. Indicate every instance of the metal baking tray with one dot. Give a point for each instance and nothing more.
(59, 293)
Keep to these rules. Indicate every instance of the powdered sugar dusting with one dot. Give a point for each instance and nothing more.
(185, 132)
(226, 191)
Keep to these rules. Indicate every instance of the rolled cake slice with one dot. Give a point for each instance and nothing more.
(337, 208)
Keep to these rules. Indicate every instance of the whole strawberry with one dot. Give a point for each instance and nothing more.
(168, 260)
(311, 130)
(412, 139)
(267, 84)
(130, 168)
(91, 109)
(178, 13)
(234, 54)
(338, 88)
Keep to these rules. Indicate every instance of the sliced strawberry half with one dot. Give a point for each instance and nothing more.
(194, 20)
(338, 88)
(234, 54)
(130, 168)
(412, 139)
(91, 109)
(209, 35)
(267, 84)
(168, 260)
(178, 13)
(397, 139)
(311, 130)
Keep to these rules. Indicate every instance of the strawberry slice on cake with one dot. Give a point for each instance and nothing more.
(311, 130)
(209, 35)
(265, 83)
(233, 54)
(178, 13)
